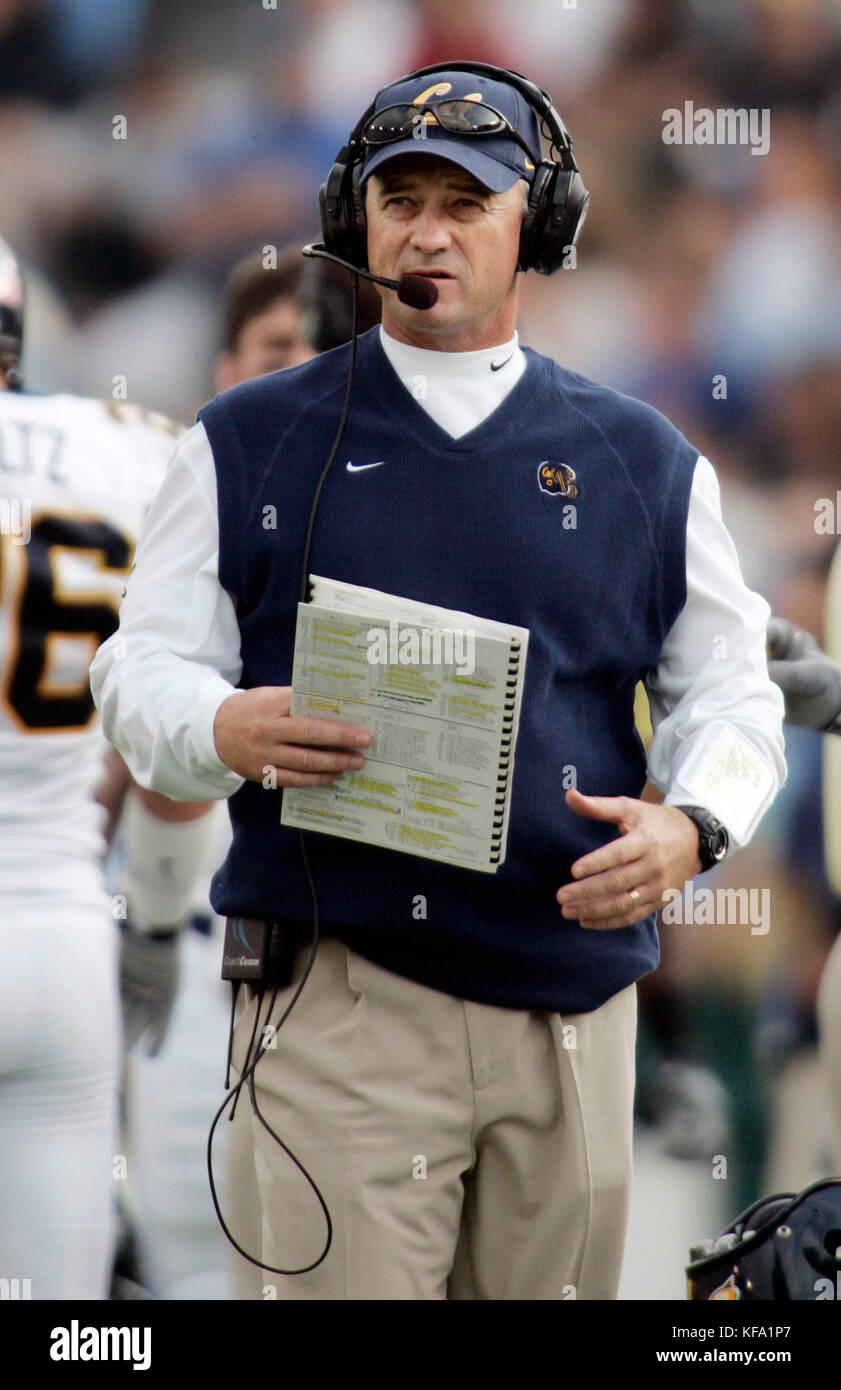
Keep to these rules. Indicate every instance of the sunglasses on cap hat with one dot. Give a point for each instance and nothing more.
(456, 116)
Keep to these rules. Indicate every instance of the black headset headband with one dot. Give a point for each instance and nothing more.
(557, 200)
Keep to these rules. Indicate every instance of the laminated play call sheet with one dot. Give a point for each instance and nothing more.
(440, 692)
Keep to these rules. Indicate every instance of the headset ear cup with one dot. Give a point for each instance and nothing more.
(331, 204)
(343, 224)
(327, 225)
(577, 201)
(535, 215)
(358, 222)
(560, 205)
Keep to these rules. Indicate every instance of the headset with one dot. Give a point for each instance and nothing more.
(557, 201)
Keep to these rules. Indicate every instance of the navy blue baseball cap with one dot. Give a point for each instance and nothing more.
(497, 161)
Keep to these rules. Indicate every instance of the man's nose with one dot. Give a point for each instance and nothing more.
(429, 229)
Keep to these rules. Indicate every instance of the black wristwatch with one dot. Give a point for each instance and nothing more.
(713, 840)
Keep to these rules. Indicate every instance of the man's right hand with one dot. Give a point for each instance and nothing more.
(253, 732)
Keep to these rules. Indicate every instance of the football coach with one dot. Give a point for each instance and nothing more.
(458, 1073)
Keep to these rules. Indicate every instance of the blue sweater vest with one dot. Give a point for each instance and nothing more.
(591, 561)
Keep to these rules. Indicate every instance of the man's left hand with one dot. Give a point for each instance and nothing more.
(657, 850)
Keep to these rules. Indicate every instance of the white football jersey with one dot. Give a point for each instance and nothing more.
(76, 479)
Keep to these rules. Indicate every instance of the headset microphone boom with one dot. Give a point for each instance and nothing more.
(414, 290)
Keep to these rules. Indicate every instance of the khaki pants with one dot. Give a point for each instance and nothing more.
(464, 1151)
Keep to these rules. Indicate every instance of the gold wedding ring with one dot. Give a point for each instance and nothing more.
(634, 896)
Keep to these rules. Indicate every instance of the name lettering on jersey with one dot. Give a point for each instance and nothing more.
(29, 448)
(16, 519)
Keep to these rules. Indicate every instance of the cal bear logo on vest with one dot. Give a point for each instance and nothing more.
(557, 478)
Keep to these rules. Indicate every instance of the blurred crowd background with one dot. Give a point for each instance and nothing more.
(698, 263)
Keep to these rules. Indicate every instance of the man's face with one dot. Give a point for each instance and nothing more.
(426, 215)
(266, 343)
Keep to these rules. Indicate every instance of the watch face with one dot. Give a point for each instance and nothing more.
(713, 840)
(718, 843)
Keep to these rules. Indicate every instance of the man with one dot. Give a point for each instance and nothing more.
(279, 315)
(263, 328)
(457, 1076)
(76, 477)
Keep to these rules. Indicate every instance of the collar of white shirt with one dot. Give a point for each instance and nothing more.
(458, 389)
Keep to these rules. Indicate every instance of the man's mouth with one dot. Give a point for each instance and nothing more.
(434, 274)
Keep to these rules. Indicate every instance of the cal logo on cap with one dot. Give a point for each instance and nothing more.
(438, 89)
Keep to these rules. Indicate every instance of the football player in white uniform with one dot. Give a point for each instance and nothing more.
(76, 478)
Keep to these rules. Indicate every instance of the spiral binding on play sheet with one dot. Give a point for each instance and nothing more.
(506, 740)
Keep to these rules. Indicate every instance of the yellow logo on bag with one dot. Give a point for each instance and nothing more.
(728, 1290)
